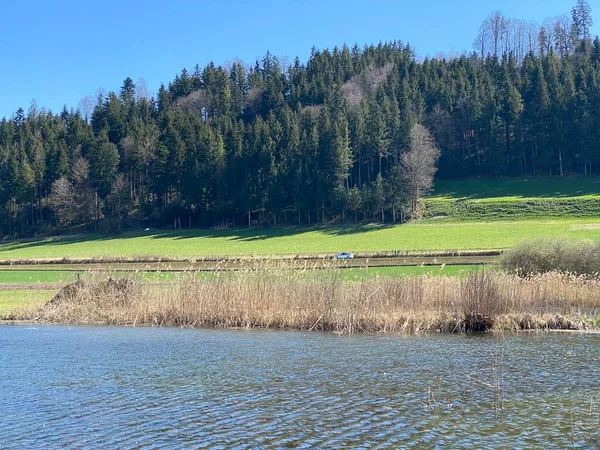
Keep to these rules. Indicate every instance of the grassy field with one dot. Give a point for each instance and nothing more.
(14, 301)
(515, 199)
(32, 277)
(36, 276)
(447, 271)
(517, 189)
(428, 235)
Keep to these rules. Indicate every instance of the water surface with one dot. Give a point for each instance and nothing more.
(107, 387)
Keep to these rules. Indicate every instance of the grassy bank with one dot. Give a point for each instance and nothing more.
(514, 199)
(325, 301)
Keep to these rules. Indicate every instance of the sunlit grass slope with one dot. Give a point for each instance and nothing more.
(515, 199)
(427, 235)
(516, 189)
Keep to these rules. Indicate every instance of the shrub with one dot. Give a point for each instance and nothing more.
(543, 255)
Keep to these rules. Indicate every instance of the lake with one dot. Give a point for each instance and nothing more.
(110, 387)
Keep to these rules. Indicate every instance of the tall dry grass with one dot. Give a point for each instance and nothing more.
(310, 299)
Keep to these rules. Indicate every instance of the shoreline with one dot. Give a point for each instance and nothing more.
(33, 322)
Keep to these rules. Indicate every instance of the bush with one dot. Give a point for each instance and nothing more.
(543, 255)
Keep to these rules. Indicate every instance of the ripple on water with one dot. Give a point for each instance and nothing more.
(159, 388)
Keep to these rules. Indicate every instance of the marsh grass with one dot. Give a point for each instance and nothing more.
(311, 299)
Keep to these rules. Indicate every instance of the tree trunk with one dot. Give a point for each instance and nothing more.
(560, 163)
(97, 213)
(533, 159)
(359, 173)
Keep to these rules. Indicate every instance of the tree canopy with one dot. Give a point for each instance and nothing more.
(305, 143)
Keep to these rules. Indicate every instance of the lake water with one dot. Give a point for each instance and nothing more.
(107, 387)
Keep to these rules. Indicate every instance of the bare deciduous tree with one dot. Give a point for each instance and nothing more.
(499, 35)
(419, 164)
(86, 107)
(62, 200)
(497, 25)
(353, 94)
(141, 90)
(84, 195)
(195, 103)
(118, 198)
(482, 41)
(531, 36)
(368, 80)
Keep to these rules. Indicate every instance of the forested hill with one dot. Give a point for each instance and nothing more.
(315, 141)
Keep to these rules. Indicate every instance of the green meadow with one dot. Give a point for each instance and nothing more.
(426, 235)
(16, 300)
(514, 199)
(33, 277)
(516, 189)
(37, 276)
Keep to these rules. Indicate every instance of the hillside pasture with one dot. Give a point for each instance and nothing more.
(514, 199)
(198, 243)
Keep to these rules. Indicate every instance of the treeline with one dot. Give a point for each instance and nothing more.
(310, 142)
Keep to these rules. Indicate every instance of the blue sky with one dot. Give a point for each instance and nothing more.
(58, 51)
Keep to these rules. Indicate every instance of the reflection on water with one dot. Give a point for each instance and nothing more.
(109, 387)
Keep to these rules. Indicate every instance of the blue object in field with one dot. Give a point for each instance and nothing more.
(344, 255)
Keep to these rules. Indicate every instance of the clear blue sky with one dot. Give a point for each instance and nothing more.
(58, 51)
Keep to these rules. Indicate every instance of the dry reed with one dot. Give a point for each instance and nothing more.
(308, 299)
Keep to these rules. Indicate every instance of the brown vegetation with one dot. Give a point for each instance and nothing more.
(311, 300)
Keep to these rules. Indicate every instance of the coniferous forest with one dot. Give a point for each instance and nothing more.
(320, 141)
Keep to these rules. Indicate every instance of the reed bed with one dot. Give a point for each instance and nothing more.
(310, 299)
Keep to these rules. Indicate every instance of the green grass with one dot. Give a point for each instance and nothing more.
(448, 271)
(429, 235)
(479, 214)
(517, 189)
(25, 277)
(514, 199)
(36, 276)
(16, 300)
